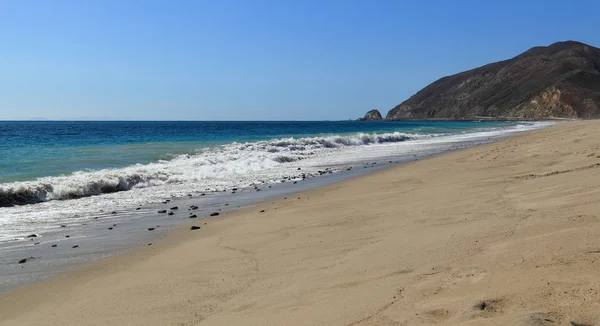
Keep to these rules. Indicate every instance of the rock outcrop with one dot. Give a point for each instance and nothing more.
(372, 115)
(558, 81)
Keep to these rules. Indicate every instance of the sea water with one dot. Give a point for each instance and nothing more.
(59, 172)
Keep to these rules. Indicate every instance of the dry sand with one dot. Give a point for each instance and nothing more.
(501, 234)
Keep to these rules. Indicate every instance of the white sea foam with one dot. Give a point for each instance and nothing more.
(82, 194)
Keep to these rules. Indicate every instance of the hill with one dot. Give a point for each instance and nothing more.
(557, 81)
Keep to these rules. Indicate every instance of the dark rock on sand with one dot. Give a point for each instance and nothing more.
(174, 208)
(150, 229)
(23, 261)
(76, 246)
(54, 246)
(138, 208)
(194, 227)
(262, 211)
(170, 213)
(32, 236)
(193, 216)
(67, 236)
(162, 211)
(110, 228)
(214, 214)
(481, 305)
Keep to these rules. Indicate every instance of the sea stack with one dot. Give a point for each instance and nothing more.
(373, 115)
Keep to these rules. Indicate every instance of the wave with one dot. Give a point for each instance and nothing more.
(213, 168)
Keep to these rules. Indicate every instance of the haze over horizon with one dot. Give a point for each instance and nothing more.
(256, 60)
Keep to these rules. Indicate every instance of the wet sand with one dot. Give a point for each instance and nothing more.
(501, 234)
(58, 246)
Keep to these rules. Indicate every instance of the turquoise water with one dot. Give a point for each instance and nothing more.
(54, 173)
(30, 150)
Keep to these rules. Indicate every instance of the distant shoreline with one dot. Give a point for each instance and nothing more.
(476, 119)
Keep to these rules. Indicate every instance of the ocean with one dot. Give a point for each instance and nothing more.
(64, 172)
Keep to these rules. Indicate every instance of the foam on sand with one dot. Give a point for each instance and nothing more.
(84, 193)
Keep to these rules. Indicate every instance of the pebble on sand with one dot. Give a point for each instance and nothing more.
(195, 227)
(162, 211)
(193, 216)
(76, 246)
(214, 214)
(150, 229)
(170, 213)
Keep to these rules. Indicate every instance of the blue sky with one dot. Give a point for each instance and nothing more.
(257, 60)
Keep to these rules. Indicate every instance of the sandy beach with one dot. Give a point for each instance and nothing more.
(500, 234)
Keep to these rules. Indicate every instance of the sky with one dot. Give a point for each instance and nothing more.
(254, 59)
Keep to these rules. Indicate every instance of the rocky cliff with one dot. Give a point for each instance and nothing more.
(558, 81)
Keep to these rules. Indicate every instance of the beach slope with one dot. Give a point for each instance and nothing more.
(500, 234)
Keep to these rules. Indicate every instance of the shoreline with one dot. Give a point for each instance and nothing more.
(454, 274)
(60, 250)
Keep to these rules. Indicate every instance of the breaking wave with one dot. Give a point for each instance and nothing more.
(213, 168)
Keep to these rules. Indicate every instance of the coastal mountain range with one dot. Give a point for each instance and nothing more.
(561, 80)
